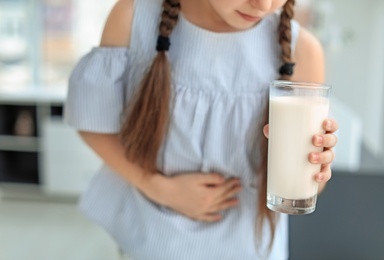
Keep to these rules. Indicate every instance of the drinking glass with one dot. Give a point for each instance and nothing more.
(297, 111)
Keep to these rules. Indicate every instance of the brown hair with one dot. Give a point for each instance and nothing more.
(147, 120)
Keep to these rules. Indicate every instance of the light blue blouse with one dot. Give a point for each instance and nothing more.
(220, 83)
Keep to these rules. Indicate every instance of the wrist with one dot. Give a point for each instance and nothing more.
(154, 186)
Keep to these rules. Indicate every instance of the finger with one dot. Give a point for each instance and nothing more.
(232, 192)
(324, 157)
(230, 203)
(266, 130)
(330, 125)
(223, 190)
(327, 140)
(211, 179)
(325, 174)
(210, 217)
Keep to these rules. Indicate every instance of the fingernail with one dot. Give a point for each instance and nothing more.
(318, 140)
(329, 124)
(320, 177)
(315, 157)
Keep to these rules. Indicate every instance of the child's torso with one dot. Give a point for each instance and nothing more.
(220, 88)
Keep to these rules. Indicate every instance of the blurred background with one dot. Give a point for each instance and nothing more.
(44, 166)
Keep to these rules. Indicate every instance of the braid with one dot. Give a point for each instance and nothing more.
(286, 71)
(285, 39)
(169, 17)
(147, 119)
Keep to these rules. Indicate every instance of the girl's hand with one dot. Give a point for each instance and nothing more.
(325, 158)
(199, 196)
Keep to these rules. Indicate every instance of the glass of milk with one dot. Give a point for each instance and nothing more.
(297, 111)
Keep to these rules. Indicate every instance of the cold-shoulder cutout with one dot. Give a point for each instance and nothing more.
(117, 30)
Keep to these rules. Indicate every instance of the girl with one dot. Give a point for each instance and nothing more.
(177, 112)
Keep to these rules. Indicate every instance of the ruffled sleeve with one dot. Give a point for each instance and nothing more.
(95, 99)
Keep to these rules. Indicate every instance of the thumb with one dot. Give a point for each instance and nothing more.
(266, 130)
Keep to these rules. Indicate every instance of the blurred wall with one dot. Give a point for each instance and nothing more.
(355, 64)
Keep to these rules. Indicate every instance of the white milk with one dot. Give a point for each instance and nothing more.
(293, 121)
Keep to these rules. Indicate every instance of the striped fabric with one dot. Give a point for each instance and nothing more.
(220, 83)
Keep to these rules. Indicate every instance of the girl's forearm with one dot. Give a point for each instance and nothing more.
(110, 150)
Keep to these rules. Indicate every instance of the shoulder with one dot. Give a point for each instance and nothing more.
(117, 30)
(309, 58)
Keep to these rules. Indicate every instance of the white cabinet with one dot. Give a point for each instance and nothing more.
(67, 163)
